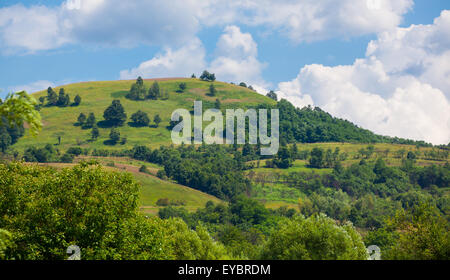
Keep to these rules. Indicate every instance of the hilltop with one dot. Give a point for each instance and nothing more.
(306, 125)
(97, 96)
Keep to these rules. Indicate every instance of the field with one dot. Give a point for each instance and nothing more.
(270, 189)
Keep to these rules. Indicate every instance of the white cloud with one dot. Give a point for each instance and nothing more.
(172, 23)
(400, 89)
(237, 60)
(30, 29)
(97, 22)
(172, 63)
(309, 20)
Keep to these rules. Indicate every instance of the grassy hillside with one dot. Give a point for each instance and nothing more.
(152, 188)
(97, 96)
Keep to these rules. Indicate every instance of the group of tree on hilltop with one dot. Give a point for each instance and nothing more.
(62, 99)
(138, 91)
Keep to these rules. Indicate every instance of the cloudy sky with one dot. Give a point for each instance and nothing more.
(382, 64)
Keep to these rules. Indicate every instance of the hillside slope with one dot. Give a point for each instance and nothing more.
(306, 125)
(97, 96)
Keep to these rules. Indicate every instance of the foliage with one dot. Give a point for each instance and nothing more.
(420, 233)
(18, 108)
(138, 90)
(140, 118)
(315, 238)
(115, 113)
(209, 77)
(114, 135)
(90, 121)
(212, 90)
(77, 100)
(272, 95)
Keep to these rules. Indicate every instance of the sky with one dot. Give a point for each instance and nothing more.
(382, 64)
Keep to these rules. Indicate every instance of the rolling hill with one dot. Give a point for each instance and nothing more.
(97, 96)
(309, 126)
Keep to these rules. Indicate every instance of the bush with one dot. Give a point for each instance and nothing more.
(162, 202)
(114, 136)
(67, 158)
(140, 118)
(143, 169)
(161, 174)
(75, 151)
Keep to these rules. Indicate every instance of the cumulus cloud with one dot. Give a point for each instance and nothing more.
(172, 63)
(400, 89)
(309, 20)
(97, 22)
(30, 29)
(172, 23)
(237, 60)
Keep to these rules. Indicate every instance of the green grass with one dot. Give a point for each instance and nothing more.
(97, 96)
(154, 189)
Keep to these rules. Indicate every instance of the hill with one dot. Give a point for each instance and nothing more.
(306, 125)
(97, 96)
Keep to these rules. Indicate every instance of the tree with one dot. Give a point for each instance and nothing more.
(182, 86)
(77, 100)
(95, 133)
(420, 233)
(411, 155)
(157, 120)
(42, 100)
(212, 90)
(242, 84)
(294, 151)
(115, 114)
(137, 91)
(18, 108)
(63, 98)
(217, 104)
(206, 76)
(90, 121)
(283, 158)
(272, 95)
(140, 118)
(81, 119)
(315, 238)
(317, 158)
(5, 139)
(52, 97)
(155, 91)
(193, 76)
(114, 135)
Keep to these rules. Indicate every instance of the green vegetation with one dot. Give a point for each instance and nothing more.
(96, 210)
(323, 199)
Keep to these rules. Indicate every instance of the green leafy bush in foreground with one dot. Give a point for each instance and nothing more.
(43, 211)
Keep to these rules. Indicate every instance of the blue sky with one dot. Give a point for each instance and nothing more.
(261, 44)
